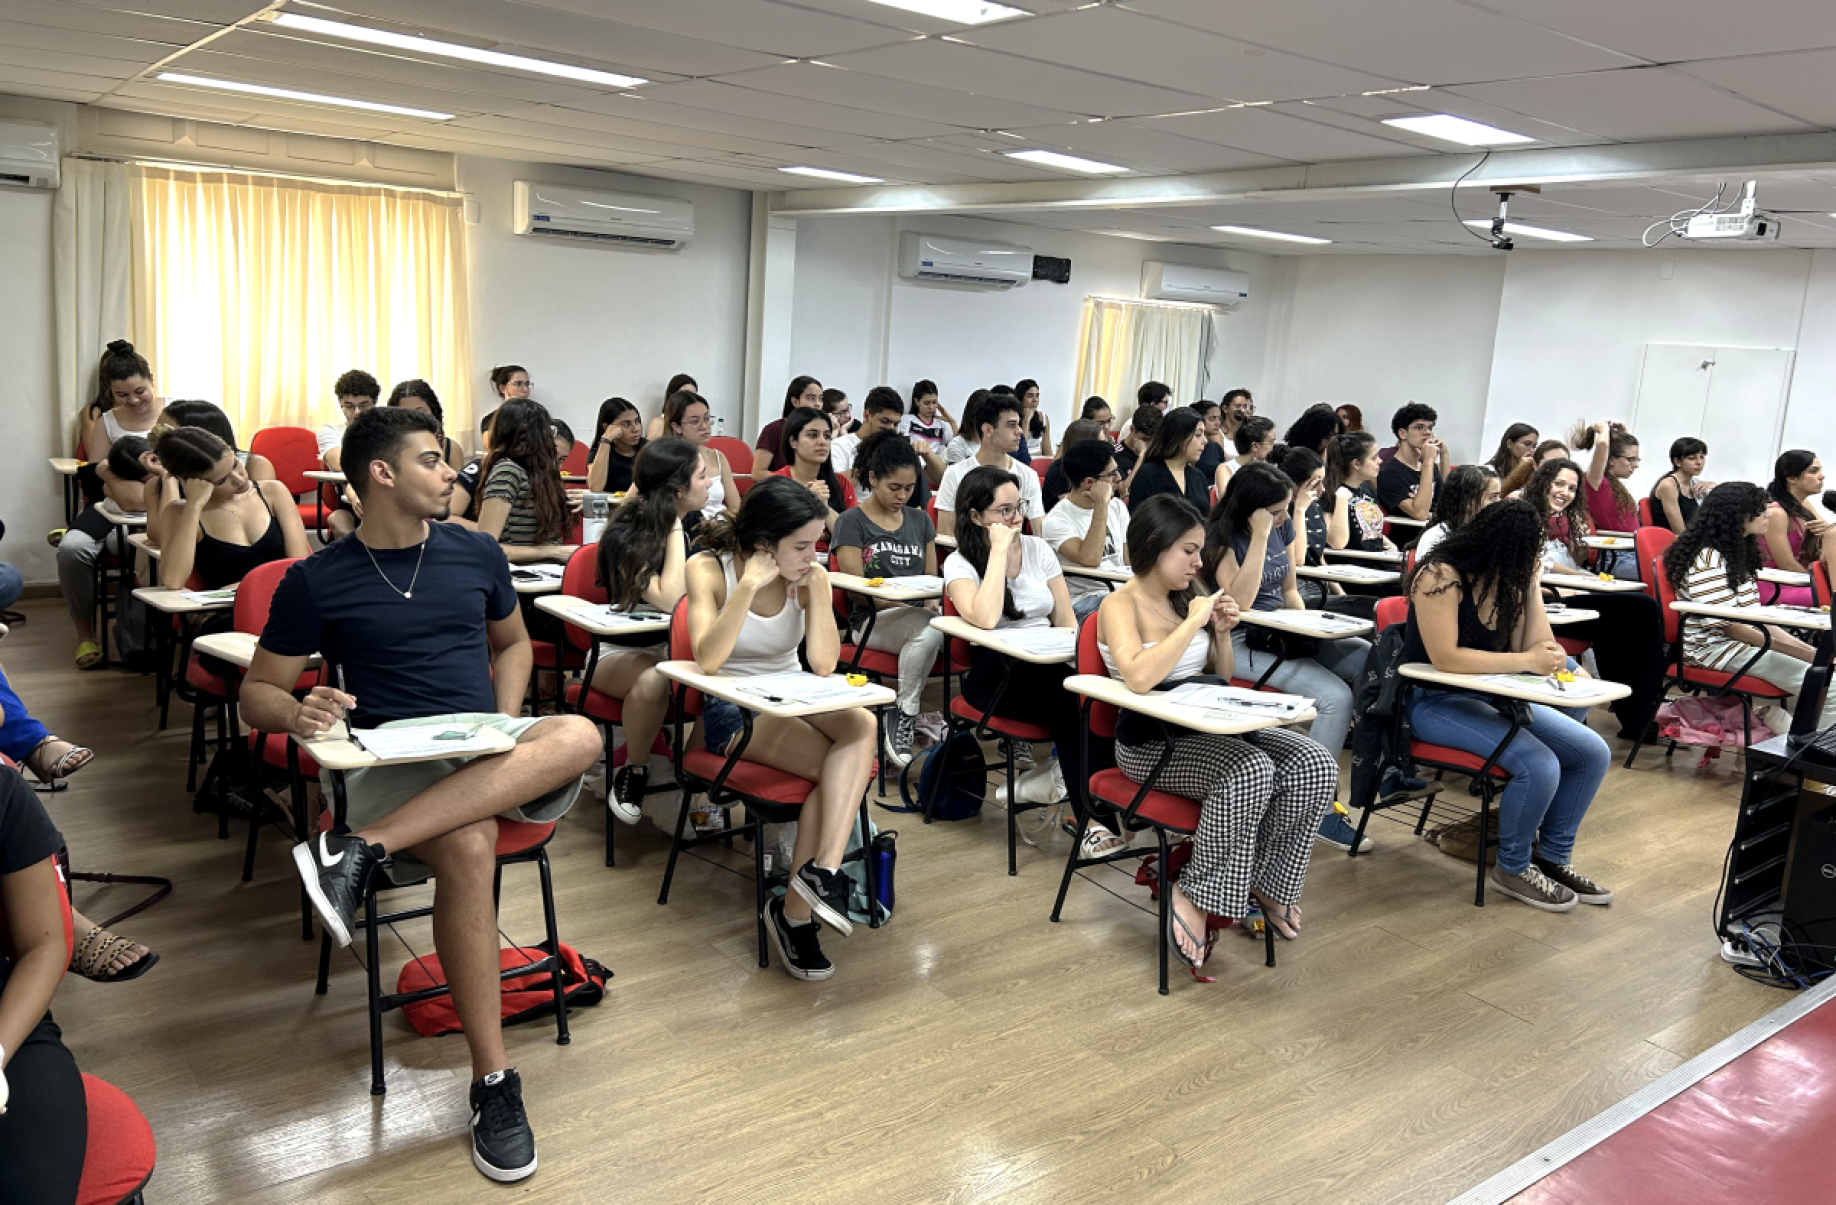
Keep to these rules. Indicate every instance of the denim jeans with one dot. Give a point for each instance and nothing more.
(1556, 764)
(1086, 606)
(12, 585)
(1325, 677)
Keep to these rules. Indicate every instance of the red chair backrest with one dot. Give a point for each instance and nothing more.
(930, 509)
(1667, 594)
(576, 463)
(293, 451)
(256, 594)
(1648, 544)
(1392, 610)
(681, 650)
(581, 579)
(1820, 585)
(738, 454)
(838, 599)
(1039, 469)
(1090, 661)
(958, 648)
(1647, 512)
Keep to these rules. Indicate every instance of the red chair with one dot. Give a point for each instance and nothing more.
(581, 580)
(769, 796)
(739, 460)
(1820, 585)
(1135, 806)
(294, 452)
(1693, 679)
(575, 465)
(1488, 778)
(1040, 468)
(1648, 516)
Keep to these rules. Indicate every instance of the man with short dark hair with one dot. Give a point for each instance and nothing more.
(420, 625)
(1089, 526)
(1408, 482)
(356, 392)
(1154, 395)
(1141, 430)
(998, 416)
(1055, 485)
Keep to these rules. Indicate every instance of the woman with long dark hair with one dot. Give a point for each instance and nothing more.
(416, 394)
(929, 428)
(1351, 416)
(1251, 548)
(997, 578)
(968, 440)
(1254, 443)
(223, 524)
(1676, 494)
(1794, 532)
(618, 436)
(1353, 517)
(1307, 470)
(1264, 793)
(1515, 481)
(1555, 491)
(1170, 463)
(803, 393)
(657, 427)
(687, 417)
(807, 436)
(1475, 608)
(520, 502)
(1515, 446)
(757, 596)
(1466, 490)
(1035, 427)
(1315, 429)
(643, 559)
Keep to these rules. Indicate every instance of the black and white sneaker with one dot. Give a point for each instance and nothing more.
(336, 869)
(626, 798)
(900, 731)
(799, 953)
(826, 892)
(503, 1145)
(1021, 750)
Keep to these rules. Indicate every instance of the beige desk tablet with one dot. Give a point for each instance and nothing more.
(1199, 719)
(726, 686)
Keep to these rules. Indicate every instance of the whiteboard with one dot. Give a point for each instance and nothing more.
(1732, 398)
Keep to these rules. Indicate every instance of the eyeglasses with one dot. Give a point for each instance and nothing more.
(1112, 475)
(1005, 512)
(699, 420)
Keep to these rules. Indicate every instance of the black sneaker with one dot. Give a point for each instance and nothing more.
(1022, 751)
(626, 797)
(826, 892)
(1397, 785)
(799, 953)
(503, 1145)
(1585, 889)
(336, 869)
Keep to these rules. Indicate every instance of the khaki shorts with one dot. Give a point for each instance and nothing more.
(372, 794)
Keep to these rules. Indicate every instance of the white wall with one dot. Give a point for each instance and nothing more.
(31, 498)
(593, 322)
(857, 324)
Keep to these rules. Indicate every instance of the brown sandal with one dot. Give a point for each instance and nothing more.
(74, 759)
(98, 951)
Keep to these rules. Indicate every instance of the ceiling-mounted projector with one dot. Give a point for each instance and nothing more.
(1745, 223)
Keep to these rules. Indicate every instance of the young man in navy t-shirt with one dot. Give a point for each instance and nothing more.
(420, 618)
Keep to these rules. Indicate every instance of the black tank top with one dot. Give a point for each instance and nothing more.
(1686, 505)
(1473, 632)
(221, 563)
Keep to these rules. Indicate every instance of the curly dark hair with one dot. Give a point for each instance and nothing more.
(1317, 424)
(1496, 555)
(1462, 495)
(1580, 525)
(1719, 523)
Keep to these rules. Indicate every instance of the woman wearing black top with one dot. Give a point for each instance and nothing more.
(618, 433)
(1170, 463)
(1307, 471)
(1676, 494)
(226, 524)
(419, 395)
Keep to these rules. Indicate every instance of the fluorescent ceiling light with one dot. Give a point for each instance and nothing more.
(963, 12)
(1068, 162)
(1449, 128)
(453, 50)
(1554, 236)
(1274, 234)
(823, 173)
(311, 98)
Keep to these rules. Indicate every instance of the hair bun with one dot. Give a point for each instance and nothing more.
(121, 347)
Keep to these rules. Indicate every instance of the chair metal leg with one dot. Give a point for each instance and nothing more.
(562, 1037)
(760, 892)
(611, 820)
(1077, 843)
(1166, 906)
(1364, 819)
(197, 746)
(1013, 801)
(1485, 818)
(373, 971)
(222, 709)
(675, 846)
(325, 948)
(248, 854)
(1268, 939)
(870, 865)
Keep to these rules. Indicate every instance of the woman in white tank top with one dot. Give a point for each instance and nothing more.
(755, 596)
(686, 416)
(1263, 793)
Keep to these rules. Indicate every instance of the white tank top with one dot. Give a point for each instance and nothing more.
(115, 430)
(717, 497)
(767, 644)
(1194, 661)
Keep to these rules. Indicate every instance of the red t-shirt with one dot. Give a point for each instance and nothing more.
(1604, 508)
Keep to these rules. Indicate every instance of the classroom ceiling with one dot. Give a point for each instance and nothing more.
(1168, 89)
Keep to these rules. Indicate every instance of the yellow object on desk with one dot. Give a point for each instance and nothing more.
(1605, 577)
(876, 581)
(1564, 675)
(857, 679)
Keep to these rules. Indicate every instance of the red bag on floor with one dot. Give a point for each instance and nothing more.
(526, 997)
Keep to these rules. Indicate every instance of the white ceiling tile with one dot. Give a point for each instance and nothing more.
(1668, 31)
(1131, 145)
(1118, 42)
(473, 141)
(56, 14)
(879, 94)
(701, 115)
(1442, 100)
(1799, 84)
(1641, 103)
(285, 76)
(31, 81)
(526, 28)
(784, 30)
(217, 12)
(990, 73)
(747, 102)
(1266, 132)
(680, 137)
(1421, 41)
(73, 64)
(549, 124)
(104, 46)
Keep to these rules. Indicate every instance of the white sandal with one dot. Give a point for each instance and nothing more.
(1099, 841)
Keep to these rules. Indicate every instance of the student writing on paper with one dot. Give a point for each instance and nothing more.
(756, 596)
(883, 537)
(1476, 608)
(1714, 562)
(999, 578)
(643, 561)
(1249, 555)
(422, 618)
(1263, 793)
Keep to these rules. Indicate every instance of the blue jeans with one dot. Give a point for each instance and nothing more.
(1325, 677)
(19, 732)
(1556, 765)
(1087, 605)
(12, 585)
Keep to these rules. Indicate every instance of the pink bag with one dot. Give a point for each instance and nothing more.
(1710, 721)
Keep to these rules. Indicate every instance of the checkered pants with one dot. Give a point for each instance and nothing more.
(1263, 795)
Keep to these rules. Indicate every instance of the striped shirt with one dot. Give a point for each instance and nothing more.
(509, 482)
(1705, 639)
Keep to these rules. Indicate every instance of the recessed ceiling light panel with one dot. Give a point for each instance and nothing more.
(1542, 232)
(1072, 163)
(823, 173)
(311, 98)
(962, 12)
(453, 50)
(1253, 232)
(1449, 128)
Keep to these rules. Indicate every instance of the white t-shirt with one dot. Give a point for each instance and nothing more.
(330, 436)
(1029, 486)
(1031, 588)
(936, 436)
(842, 450)
(960, 449)
(1069, 521)
(1434, 535)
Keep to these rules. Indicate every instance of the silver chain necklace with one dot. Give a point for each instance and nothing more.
(409, 592)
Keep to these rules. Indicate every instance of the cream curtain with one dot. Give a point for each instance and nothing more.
(1126, 344)
(256, 292)
(92, 270)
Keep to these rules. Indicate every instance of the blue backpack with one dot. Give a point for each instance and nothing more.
(954, 779)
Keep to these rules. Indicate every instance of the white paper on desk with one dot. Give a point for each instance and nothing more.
(1364, 572)
(1578, 691)
(917, 581)
(795, 687)
(537, 571)
(209, 598)
(612, 617)
(1237, 700)
(1041, 642)
(1323, 622)
(417, 741)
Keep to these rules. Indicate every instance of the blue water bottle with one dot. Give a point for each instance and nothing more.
(884, 858)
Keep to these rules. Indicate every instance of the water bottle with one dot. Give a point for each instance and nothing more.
(720, 424)
(884, 857)
(594, 511)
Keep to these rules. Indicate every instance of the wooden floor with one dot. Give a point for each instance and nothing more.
(1407, 1047)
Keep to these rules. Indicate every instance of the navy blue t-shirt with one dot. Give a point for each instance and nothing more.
(403, 657)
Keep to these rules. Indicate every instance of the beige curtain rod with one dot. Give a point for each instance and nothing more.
(180, 165)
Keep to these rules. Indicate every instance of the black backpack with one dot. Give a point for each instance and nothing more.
(954, 779)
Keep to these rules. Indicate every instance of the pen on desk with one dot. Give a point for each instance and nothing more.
(348, 734)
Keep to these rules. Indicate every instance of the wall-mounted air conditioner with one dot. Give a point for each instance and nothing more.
(1202, 286)
(964, 261)
(558, 212)
(28, 155)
